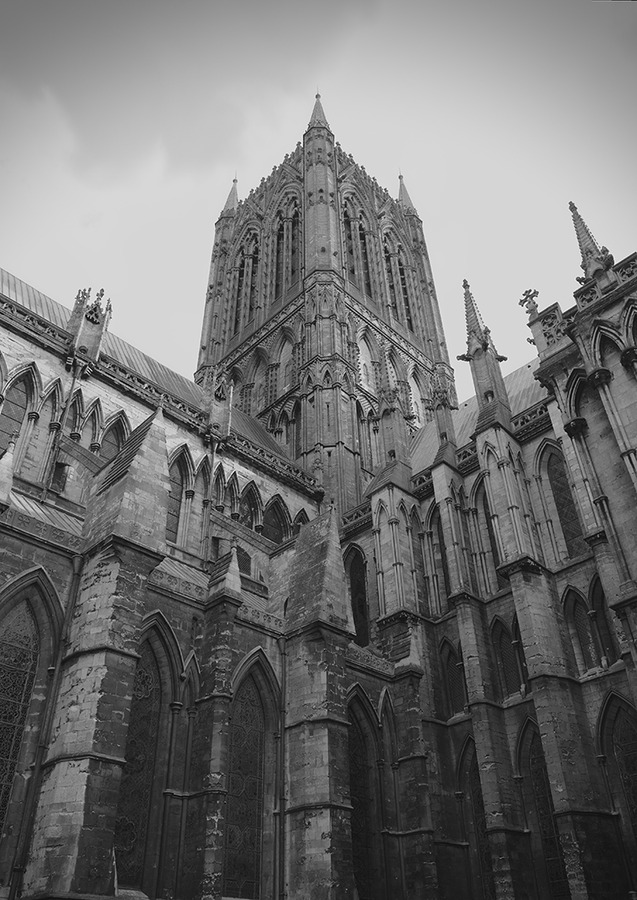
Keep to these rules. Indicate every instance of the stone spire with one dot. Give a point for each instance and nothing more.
(403, 196)
(233, 200)
(484, 359)
(318, 115)
(595, 259)
(478, 335)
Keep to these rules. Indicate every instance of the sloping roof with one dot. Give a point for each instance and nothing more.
(46, 513)
(251, 429)
(115, 347)
(126, 355)
(524, 392)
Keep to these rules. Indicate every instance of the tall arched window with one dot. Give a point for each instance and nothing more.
(254, 280)
(365, 821)
(19, 650)
(13, 413)
(250, 507)
(538, 802)
(581, 632)
(238, 296)
(439, 554)
(391, 282)
(618, 731)
(112, 442)
(404, 289)
(244, 801)
(279, 260)
(295, 248)
(603, 622)
(275, 521)
(136, 786)
(367, 275)
(349, 248)
(175, 499)
(355, 568)
(480, 860)
(565, 507)
(453, 672)
(506, 659)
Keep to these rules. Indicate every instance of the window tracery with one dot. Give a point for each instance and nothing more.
(19, 651)
(244, 803)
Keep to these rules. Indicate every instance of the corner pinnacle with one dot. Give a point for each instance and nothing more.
(318, 115)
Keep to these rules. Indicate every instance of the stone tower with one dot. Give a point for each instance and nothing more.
(322, 313)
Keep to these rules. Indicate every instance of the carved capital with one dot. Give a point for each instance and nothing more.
(596, 537)
(576, 427)
(33, 416)
(599, 377)
(629, 357)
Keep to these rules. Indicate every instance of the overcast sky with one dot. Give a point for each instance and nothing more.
(122, 123)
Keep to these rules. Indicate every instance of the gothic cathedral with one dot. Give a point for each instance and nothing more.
(306, 628)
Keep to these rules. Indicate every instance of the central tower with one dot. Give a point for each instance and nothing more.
(321, 312)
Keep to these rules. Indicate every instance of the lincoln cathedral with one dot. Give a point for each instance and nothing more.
(307, 627)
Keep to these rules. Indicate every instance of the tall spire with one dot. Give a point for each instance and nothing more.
(403, 197)
(233, 199)
(594, 258)
(318, 115)
(477, 332)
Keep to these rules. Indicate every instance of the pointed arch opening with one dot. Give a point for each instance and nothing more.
(475, 824)
(356, 571)
(365, 799)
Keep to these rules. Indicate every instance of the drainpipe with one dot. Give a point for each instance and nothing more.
(33, 789)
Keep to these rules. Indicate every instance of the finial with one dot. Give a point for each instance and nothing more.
(528, 300)
(318, 115)
(595, 259)
(403, 195)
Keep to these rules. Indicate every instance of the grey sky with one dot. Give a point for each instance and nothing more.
(123, 124)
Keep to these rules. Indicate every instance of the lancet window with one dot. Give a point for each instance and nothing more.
(506, 659)
(136, 786)
(244, 801)
(564, 506)
(619, 744)
(581, 631)
(112, 442)
(391, 282)
(480, 859)
(287, 250)
(13, 413)
(547, 849)
(355, 568)
(453, 671)
(247, 283)
(19, 650)
(275, 521)
(365, 824)
(175, 500)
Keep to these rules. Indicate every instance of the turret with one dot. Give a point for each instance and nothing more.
(322, 244)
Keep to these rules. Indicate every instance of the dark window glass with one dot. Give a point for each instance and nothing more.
(19, 648)
(174, 503)
(13, 412)
(135, 794)
(244, 804)
(566, 512)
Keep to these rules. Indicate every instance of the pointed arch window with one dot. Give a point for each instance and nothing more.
(112, 442)
(365, 820)
(175, 498)
(241, 274)
(279, 261)
(19, 651)
(480, 859)
(391, 284)
(275, 522)
(453, 671)
(404, 289)
(244, 802)
(254, 280)
(619, 744)
(14, 410)
(249, 507)
(506, 658)
(545, 841)
(295, 248)
(367, 274)
(349, 248)
(565, 507)
(439, 553)
(582, 636)
(603, 622)
(136, 786)
(355, 568)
